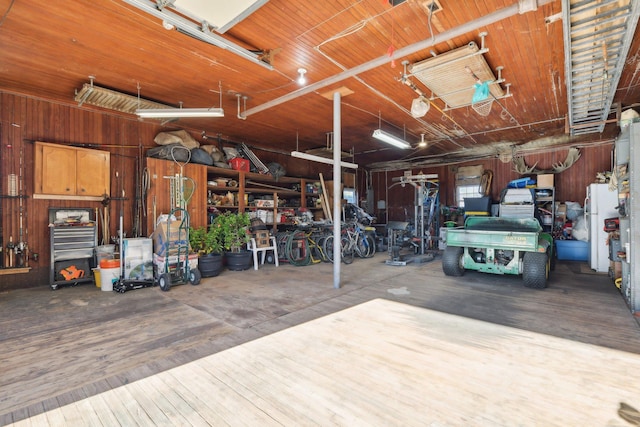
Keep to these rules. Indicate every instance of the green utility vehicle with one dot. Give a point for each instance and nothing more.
(500, 246)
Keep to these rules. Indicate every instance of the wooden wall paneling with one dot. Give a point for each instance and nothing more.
(63, 124)
(570, 184)
(159, 190)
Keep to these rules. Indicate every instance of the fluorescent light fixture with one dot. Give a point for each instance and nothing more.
(197, 29)
(390, 139)
(164, 113)
(306, 156)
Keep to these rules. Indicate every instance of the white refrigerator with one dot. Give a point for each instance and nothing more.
(599, 205)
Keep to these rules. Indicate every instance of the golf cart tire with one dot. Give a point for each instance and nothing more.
(535, 270)
(452, 261)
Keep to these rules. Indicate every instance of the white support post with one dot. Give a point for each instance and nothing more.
(337, 197)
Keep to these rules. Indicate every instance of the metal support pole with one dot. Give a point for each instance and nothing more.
(337, 197)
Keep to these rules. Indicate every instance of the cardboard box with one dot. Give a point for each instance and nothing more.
(615, 269)
(545, 180)
(168, 237)
(561, 213)
(138, 258)
(159, 261)
(262, 203)
(262, 239)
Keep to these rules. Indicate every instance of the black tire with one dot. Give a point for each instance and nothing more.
(194, 276)
(327, 248)
(347, 252)
(164, 281)
(452, 261)
(366, 246)
(320, 248)
(535, 270)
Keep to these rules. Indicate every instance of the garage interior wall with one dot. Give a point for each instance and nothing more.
(26, 119)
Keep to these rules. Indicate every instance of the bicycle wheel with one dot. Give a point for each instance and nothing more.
(327, 248)
(371, 245)
(348, 249)
(362, 246)
(320, 247)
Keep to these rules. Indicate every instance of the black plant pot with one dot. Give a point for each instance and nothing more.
(238, 261)
(210, 265)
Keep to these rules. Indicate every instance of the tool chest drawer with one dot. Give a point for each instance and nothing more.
(73, 239)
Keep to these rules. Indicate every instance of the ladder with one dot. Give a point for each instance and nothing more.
(597, 39)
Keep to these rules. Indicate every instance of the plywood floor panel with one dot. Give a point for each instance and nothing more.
(61, 346)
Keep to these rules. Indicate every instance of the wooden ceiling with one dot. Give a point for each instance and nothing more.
(49, 50)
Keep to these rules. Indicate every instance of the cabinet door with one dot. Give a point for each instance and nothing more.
(58, 170)
(92, 173)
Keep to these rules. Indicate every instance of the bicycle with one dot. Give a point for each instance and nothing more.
(304, 247)
(354, 240)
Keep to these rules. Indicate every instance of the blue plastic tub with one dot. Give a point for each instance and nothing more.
(572, 250)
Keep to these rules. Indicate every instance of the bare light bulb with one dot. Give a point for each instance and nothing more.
(301, 78)
(422, 142)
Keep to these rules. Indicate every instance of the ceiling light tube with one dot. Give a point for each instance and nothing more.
(390, 139)
(194, 30)
(161, 113)
(306, 156)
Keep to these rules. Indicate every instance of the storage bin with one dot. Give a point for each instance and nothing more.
(477, 206)
(240, 164)
(572, 250)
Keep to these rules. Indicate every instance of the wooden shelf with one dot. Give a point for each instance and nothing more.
(16, 270)
(285, 187)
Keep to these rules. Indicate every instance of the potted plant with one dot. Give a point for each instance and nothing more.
(208, 244)
(234, 228)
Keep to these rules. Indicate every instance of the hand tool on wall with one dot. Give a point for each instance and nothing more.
(21, 249)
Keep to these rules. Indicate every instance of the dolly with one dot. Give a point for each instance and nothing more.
(175, 269)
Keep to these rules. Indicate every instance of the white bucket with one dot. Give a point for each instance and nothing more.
(108, 276)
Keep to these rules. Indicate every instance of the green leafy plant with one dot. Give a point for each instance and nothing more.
(234, 228)
(206, 240)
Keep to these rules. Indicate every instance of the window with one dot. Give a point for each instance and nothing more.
(463, 191)
(349, 194)
(468, 180)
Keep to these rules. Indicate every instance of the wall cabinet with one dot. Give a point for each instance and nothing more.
(70, 173)
(229, 189)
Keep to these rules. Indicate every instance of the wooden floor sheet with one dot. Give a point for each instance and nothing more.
(61, 349)
(380, 363)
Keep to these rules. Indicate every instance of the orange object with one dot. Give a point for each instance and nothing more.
(72, 272)
(110, 263)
